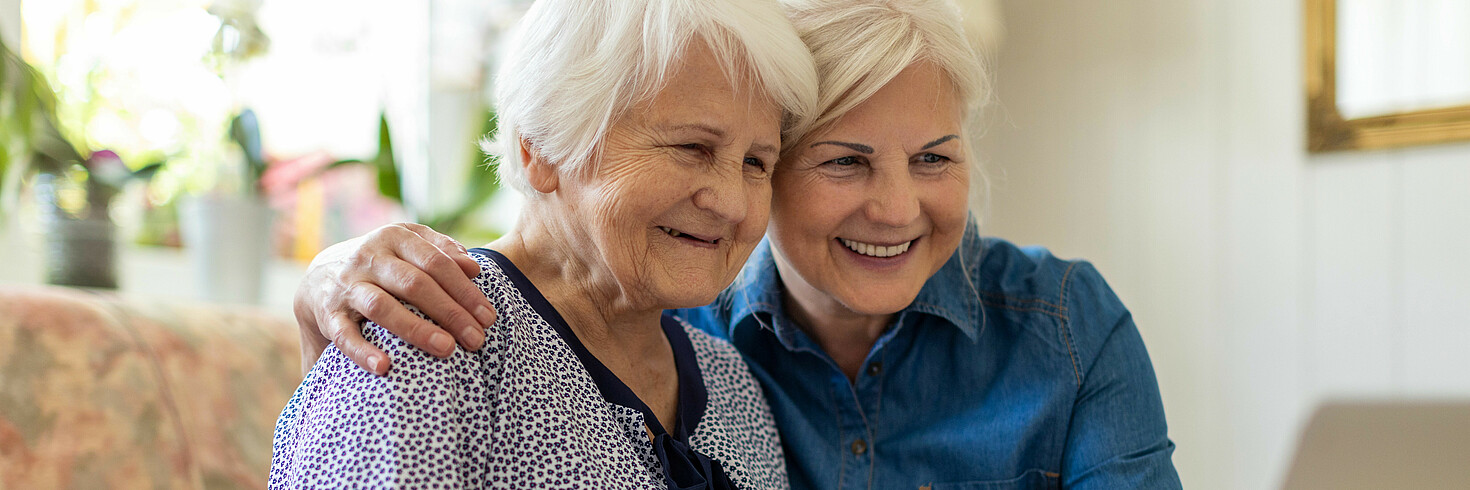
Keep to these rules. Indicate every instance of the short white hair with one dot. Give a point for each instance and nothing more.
(861, 45)
(573, 67)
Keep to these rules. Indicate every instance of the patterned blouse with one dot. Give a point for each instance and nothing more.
(532, 409)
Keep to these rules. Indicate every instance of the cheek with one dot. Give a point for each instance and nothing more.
(759, 212)
(947, 206)
(810, 204)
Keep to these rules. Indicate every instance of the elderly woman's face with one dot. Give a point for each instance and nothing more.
(872, 207)
(682, 192)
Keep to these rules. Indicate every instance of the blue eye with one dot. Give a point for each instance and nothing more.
(847, 161)
(933, 158)
(756, 162)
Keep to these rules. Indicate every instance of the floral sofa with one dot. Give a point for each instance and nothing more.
(99, 390)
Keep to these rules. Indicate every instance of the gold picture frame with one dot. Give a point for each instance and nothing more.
(1327, 130)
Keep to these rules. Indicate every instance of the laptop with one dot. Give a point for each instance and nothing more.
(1351, 445)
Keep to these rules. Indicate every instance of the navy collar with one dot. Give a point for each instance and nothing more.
(952, 294)
(692, 395)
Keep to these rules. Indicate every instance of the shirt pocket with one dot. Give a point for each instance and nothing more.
(1030, 480)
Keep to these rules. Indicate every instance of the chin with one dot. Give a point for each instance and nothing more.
(690, 293)
(879, 300)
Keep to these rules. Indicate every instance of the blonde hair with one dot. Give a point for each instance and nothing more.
(572, 67)
(861, 45)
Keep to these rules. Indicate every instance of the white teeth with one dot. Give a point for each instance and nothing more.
(876, 250)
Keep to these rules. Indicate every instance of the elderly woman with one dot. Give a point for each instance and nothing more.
(899, 348)
(645, 133)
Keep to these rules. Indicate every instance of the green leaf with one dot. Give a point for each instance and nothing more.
(388, 184)
(148, 171)
(482, 184)
(245, 131)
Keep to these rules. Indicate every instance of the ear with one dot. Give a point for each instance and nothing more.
(539, 173)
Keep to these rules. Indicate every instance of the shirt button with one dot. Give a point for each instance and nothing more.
(875, 369)
(859, 447)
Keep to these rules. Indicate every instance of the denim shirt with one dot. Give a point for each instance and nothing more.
(1011, 369)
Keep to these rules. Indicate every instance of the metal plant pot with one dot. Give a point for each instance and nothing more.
(79, 252)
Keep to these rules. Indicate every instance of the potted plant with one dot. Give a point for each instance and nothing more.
(74, 192)
(227, 234)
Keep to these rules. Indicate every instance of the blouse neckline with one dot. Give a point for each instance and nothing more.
(692, 397)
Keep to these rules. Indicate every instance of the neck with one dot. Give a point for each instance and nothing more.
(846, 336)
(605, 317)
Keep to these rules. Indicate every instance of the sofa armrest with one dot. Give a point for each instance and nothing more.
(99, 389)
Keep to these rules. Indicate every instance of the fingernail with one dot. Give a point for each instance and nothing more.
(375, 364)
(442, 342)
(485, 316)
(477, 340)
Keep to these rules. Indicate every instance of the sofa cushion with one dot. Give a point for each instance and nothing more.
(102, 390)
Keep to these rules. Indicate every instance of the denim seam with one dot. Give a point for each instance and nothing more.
(1067, 325)
(841, 436)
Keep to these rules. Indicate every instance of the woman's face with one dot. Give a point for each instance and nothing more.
(868, 209)
(682, 192)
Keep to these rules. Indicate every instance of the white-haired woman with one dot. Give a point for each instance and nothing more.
(898, 348)
(644, 133)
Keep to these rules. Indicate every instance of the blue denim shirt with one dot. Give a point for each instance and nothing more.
(1011, 369)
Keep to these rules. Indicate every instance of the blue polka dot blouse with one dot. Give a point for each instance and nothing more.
(532, 409)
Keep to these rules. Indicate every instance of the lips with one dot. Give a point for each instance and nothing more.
(712, 240)
(873, 250)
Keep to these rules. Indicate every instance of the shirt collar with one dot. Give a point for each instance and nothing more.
(755, 297)
(951, 294)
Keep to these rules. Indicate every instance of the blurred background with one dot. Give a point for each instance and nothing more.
(1166, 142)
(216, 146)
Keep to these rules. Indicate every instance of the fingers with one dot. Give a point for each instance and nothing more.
(347, 335)
(424, 286)
(466, 295)
(385, 310)
(449, 247)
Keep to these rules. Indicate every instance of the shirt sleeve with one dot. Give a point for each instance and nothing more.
(1117, 437)
(424, 424)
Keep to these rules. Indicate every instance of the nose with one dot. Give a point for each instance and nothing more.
(893, 198)
(723, 194)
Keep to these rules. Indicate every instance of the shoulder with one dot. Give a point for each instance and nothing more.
(1030, 272)
(416, 378)
(737, 427)
(1070, 291)
(345, 425)
(719, 362)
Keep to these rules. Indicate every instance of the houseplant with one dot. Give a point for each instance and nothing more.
(73, 192)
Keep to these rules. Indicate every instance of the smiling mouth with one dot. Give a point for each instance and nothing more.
(679, 234)
(872, 250)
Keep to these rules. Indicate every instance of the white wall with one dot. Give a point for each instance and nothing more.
(1164, 141)
(10, 23)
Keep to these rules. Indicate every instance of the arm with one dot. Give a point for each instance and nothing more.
(1118, 437)
(365, 277)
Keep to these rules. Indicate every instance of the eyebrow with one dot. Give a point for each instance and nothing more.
(939, 141)
(857, 147)
(868, 150)
(713, 131)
